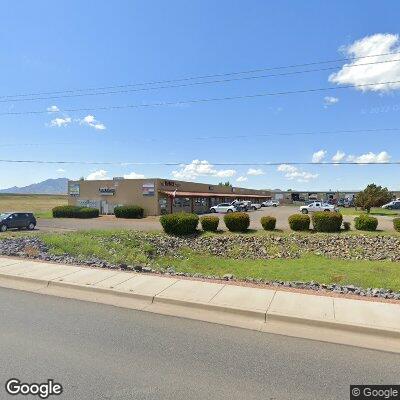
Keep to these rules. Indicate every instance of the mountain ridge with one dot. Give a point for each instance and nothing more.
(48, 186)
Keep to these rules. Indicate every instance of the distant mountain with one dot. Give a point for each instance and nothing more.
(49, 186)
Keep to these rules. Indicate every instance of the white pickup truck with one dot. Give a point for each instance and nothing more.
(317, 206)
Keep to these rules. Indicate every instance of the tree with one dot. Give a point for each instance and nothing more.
(373, 196)
(225, 184)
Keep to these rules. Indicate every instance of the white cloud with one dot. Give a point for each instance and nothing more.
(370, 157)
(60, 122)
(60, 171)
(96, 175)
(91, 121)
(330, 100)
(318, 156)
(291, 172)
(255, 171)
(201, 168)
(241, 179)
(53, 109)
(339, 156)
(133, 175)
(379, 43)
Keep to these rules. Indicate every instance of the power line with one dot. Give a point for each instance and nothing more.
(250, 135)
(174, 164)
(204, 100)
(124, 91)
(202, 76)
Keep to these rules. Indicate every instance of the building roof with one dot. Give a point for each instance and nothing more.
(209, 194)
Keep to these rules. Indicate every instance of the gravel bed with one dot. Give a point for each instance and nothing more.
(333, 246)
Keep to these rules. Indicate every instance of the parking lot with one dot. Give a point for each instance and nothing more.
(153, 224)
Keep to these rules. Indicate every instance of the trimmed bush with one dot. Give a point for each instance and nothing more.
(346, 226)
(268, 223)
(365, 222)
(74, 212)
(299, 222)
(237, 222)
(128, 211)
(324, 221)
(209, 223)
(179, 223)
(396, 224)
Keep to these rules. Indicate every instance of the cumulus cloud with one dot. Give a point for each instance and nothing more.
(91, 121)
(318, 156)
(133, 175)
(380, 43)
(255, 171)
(293, 173)
(199, 168)
(339, 156)
(53, 109)
(96, 175)
(370, 157)
(60, 122)
(330, 100)
(241, 179)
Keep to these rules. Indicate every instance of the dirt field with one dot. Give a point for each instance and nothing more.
(152, 223)
(40, 204)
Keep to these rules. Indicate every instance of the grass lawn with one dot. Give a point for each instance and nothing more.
(39, 204)
(123, 247)
(374, 211)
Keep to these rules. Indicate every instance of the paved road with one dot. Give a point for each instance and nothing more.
(153, 224)
(102, 352)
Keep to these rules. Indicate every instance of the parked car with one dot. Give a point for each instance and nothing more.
(240, 205)
(223, 208)
(270, 203)
(317, 206)
(17, 220)
(255, 206)
(393, 205)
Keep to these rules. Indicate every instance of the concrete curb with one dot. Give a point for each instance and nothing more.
(329, 330)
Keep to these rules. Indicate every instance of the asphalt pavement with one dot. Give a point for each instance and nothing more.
(102, 352)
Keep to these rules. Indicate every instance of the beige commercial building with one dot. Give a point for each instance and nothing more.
(157, 196)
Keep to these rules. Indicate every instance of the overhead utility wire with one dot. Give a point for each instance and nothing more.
(202, 76)
(124, 91)
(265, 164)
(194, 101)
(251, 135)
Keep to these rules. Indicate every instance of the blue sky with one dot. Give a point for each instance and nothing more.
(88, 44)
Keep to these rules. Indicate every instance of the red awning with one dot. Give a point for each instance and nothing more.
(208, 194)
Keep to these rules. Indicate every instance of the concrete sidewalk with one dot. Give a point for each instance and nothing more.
(355, 322)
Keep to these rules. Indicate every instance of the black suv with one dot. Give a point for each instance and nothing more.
(17, 220)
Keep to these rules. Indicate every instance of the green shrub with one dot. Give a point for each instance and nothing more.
(324, 221)
(209, 223)
(179, 223)
(346, 226)
(268, 223)
(299, 222)
(365, 223)
(396, 224)
(74, 212)
(128, 211)
(237, 222)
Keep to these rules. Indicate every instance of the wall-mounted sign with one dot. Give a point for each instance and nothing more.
(107, 191)
(171, 183)
(148, 189)
(89, 203)
(73, 188)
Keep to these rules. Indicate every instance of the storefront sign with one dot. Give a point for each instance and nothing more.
(73, 188)
(107, 191)
(89, 203)
(171, 183)
(148, 189)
